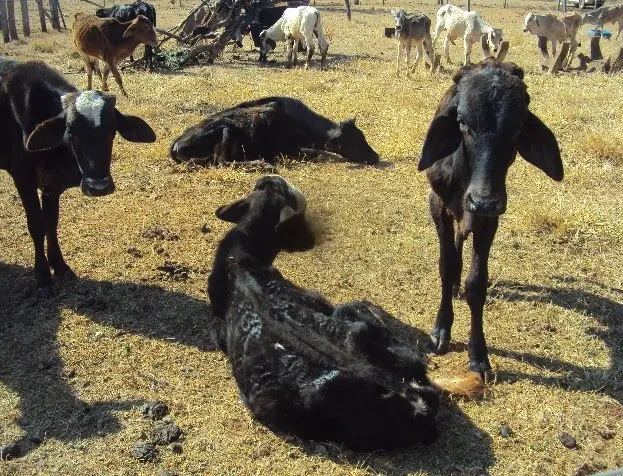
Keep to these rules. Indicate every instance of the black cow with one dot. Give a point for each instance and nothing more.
(262, 19)
(55, 137)
(481, 123)
(125, 13)
(267, 128)
(304, 366)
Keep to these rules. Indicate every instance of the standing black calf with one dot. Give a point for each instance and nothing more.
(480, 124)
(125, 13)
(54, 137)
(304, 366)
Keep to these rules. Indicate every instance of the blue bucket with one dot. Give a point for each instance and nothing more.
(603, 33)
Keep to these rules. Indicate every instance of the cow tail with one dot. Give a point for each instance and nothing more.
(469, 386)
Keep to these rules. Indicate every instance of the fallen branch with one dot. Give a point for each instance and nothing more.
(171, 35)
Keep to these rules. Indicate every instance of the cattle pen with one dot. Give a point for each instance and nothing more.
(135, 327)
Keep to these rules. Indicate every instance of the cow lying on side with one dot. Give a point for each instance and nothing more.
(413, 29)
(303, 366)
(109, 40)
(266, 129)
(125, 13)
(469, 26)
(296, 24)
(555, 30)
(55, 137)
(480, 124)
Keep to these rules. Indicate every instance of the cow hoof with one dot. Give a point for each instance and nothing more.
(65, 275)
(481, 368)
(46, 292)
(440, 340)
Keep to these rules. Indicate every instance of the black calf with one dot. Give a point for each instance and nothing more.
(303, 366)
(480, 125)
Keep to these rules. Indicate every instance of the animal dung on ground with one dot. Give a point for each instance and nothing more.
(567, 440)
(165, 433)
(144, 451)
(155, 410)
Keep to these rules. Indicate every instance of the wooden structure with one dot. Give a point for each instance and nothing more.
(552, 64)
(596, 62)
(486, 51)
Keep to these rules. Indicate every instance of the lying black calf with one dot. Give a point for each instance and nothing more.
(304, 366)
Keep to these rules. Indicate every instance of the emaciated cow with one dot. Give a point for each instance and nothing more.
(55, 137)
(129, 12)
(413, 29)
(480, 124)
(304, 366)
(267, 128)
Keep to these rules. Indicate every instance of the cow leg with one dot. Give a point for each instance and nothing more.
(467, 44)
(476, 293)
(400, 47)
(408, 56)
(448, 271)
(620, 29)
(117, 76)
(289, 42)
(310, 51)
(50, 209)
(105, 73)
(96, 68)
(446, 48)
(458, 246)
(419, 54)
(572, 48)
(89, 67)
(149, 57)
(553, 48)
(36, 227)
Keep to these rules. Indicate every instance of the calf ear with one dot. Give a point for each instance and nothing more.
(538, 146)
(47, 135)
(233, 212)
(293, 231)
(443, 137)
(134, 128)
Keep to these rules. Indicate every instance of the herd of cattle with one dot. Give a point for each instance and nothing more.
(303, 365)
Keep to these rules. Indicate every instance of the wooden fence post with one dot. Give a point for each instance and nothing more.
(56, 24)
(10, 6)
(44, 27)
(347, 8)
(25, 19)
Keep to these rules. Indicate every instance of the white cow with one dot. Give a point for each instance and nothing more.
(296, 24)
(467, 25)
(555, 30)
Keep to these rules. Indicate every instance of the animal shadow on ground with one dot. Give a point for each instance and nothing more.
(462, 448)
(32, 368)
(607, 312)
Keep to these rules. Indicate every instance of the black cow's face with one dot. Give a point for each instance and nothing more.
(488, 117)
(348, 141)
(277, 211)
(193, 145)
(267, 45)
(87, 125)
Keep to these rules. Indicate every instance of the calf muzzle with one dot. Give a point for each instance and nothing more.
(490, 207)
(97, 187)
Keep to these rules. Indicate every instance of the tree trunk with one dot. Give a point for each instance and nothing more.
(10, 6)
(3, 21)
(347, 8)
(56, 24)
(25, 19)
(44, 27)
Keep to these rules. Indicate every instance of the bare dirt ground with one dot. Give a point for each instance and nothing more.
(74, 370)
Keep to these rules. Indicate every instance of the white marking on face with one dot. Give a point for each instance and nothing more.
(90, 105)
(420, 406)
(278, 346)
(324, 378)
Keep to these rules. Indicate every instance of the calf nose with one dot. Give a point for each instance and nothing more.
(485, 207)
(175, 153)
(97, 187)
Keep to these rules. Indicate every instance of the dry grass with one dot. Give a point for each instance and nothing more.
(74, 369)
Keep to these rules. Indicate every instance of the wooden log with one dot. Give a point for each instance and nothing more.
(486, 51)
(171, 35)
(60, 13)
(10, 6)
(44, 27)
(54, 18)
(25, 19)
(549, 63)
(595, 48)
(92, 3)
